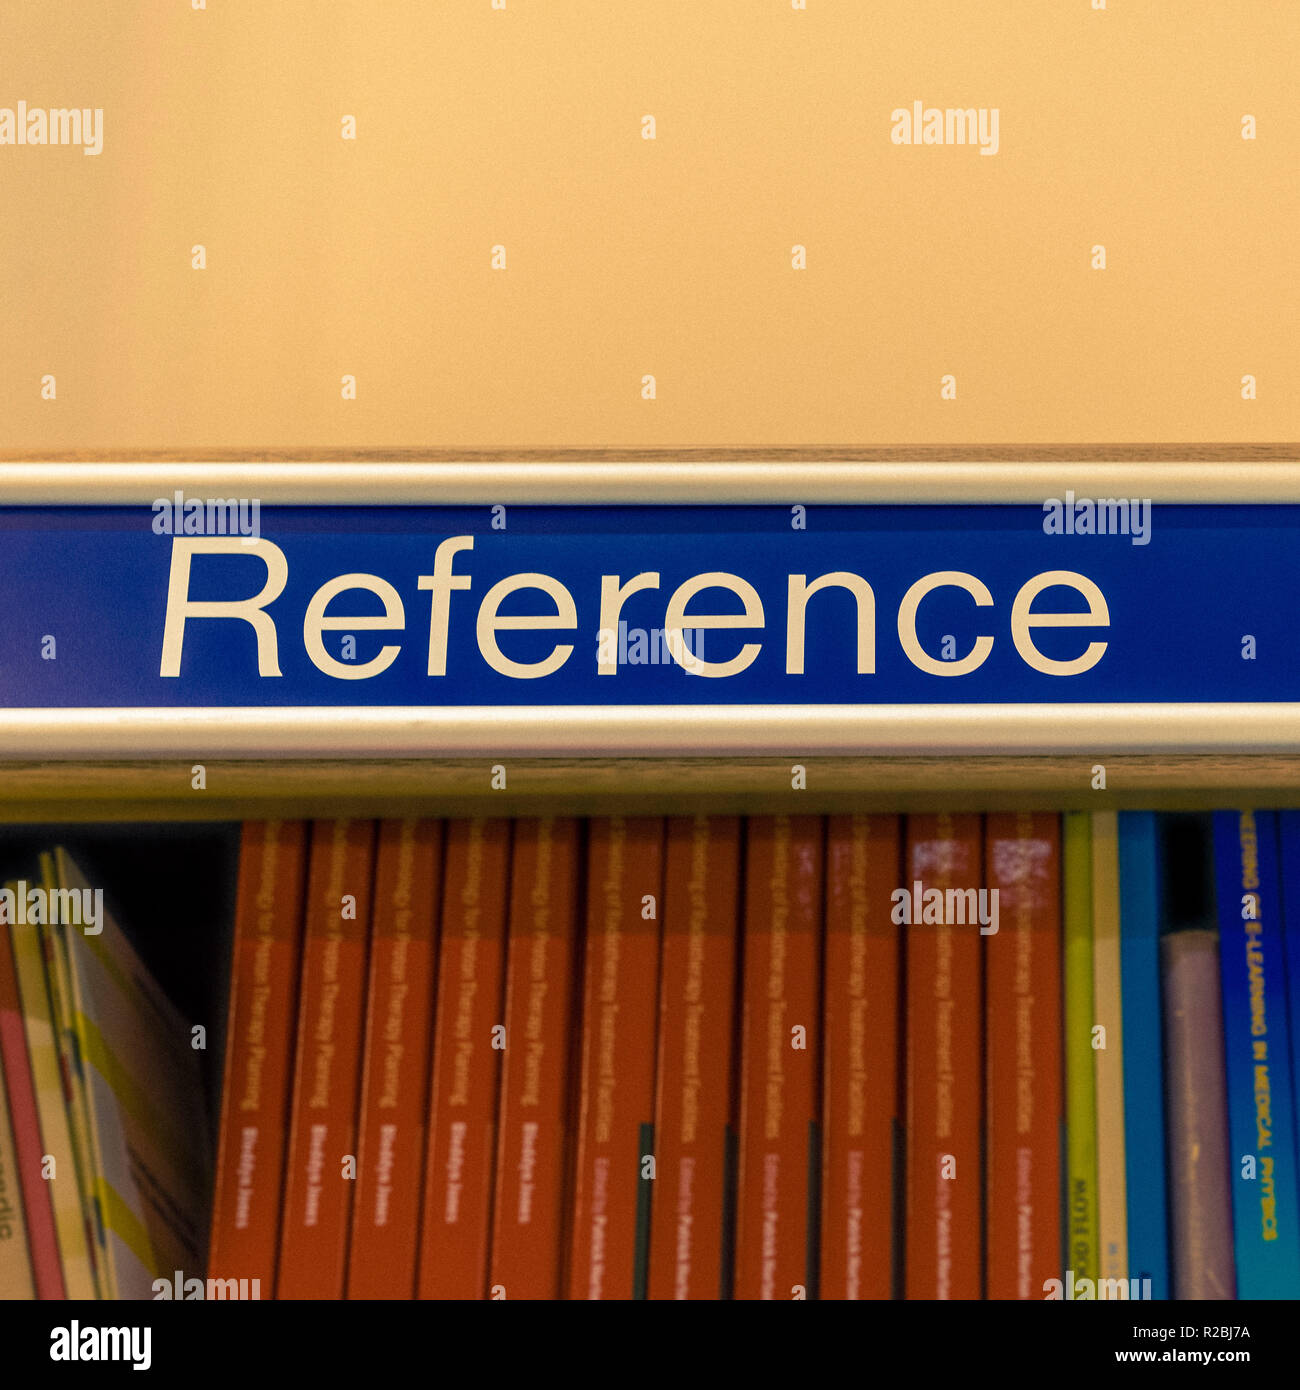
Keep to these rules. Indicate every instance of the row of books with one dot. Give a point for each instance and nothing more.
(1016, 1056)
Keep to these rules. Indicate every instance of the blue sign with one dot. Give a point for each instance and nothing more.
(192, 604)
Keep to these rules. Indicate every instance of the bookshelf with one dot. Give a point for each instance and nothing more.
(660, 252)
(95, 773)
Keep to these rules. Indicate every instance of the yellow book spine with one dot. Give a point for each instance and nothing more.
(1112, 1183)
(1080, 1079)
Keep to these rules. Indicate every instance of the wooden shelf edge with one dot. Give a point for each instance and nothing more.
(1208, 452)
(249, 789)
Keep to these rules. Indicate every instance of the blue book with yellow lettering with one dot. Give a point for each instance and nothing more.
(1256, 1039)
(1144, 1088)
(1288, 825)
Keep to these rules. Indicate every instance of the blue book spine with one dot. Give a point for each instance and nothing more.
(1144, 1089)
(1256, 1037)
(1288, 824)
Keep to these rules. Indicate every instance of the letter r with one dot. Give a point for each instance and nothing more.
(180, 606)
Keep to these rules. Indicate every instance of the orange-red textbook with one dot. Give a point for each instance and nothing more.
(259, 1052)
(860, 1106)
(940, 908)
(1024, 1061)
(533, 1131)
(320, 1172)
(461, 1151)
(694, 1124)
(777, 1204)
(395, 1064)
(615, 1129)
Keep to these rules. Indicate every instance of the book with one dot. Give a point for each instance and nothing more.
(258, 1066)
(462, 1108)
(1196, 1105)
(1144, 1089)
(860, 1240)
(76, 1093)
(1200, 1198)
(534, 1123)
(1082, 1257)
(777, 1199)
(22, 910)
(320, 1167)
(1288, 829)
(1108, 1052)
(615, 1150)
(1257, 1052)
(24, 1118)
(16, 1274)
(1023, 1056)
(395, 1060)
(943, 883)
(148, 1127)
(691, 1217)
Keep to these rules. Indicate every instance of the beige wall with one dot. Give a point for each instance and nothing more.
(625, 256)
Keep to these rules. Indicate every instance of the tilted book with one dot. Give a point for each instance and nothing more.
(152, 1173)
(21, 1265)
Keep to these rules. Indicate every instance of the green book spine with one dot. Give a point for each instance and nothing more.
(1080, 1077)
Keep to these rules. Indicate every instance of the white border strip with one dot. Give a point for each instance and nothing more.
(473, 482)
(650, 731)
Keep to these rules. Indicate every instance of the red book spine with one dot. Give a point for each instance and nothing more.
(611, 1208)
(1023, 1063)
(454, 1239)
(696, 1032)
(944, 1058)
(532, 1150)
(321, 1168)
(24, 1118)
(259, 1048)
(776, 1221)
(861, 1101)
(395, 1069)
